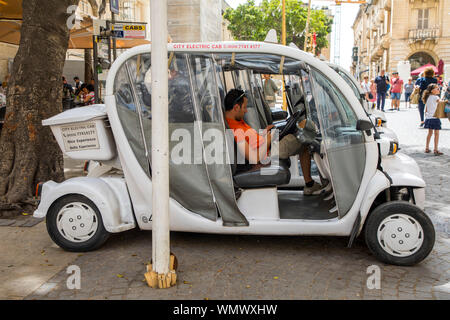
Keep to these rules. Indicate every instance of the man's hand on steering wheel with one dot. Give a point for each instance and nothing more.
(291, 124)
(267, 129)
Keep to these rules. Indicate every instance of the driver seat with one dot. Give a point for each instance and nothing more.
(257, 176)
(260, 176)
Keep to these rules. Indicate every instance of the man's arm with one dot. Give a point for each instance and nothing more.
(255, 155)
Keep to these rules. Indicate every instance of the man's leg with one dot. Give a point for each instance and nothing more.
(290, 146)
(421, 110)
(383, 100)
(378, 100)
(305, 163)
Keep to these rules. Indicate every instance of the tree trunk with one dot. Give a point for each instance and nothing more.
(28, 151)
(88, 72)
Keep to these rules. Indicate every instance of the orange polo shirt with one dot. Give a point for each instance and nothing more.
(243, 131)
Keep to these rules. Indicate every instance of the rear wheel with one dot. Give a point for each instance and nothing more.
(75, 224)
(399, 233)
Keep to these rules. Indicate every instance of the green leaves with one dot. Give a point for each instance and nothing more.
(252, 22)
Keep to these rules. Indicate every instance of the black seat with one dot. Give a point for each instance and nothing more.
(270, 175)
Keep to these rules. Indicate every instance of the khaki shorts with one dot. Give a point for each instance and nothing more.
(289, 146)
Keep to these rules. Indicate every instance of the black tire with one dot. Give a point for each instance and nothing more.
(93, 243)
(390, 209)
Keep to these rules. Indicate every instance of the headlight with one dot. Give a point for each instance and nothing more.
(393, 148)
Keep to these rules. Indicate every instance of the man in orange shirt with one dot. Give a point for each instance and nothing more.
(255, 146)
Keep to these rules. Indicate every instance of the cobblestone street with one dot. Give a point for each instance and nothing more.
(263, 267)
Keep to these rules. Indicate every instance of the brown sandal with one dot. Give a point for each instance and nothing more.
(427, 150)
(437, 153)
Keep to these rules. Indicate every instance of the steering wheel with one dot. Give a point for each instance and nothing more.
(291, 123)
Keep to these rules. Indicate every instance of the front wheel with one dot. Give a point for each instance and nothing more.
(399, 233)
(75, 224)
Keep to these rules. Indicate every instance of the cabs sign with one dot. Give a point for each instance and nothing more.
(129, 31)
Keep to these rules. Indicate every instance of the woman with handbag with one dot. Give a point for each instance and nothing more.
(423, 83)
(433, 124)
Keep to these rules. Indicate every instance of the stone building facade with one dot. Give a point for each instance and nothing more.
(389, 31)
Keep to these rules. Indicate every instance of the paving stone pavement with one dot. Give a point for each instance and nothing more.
(266, 267)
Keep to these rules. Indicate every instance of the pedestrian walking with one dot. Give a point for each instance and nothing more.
(365, 85)
(409, 88)
(431, 100)
(423, 83)
(270, 88)
(373, 90)
(382, 82)
(396, 90)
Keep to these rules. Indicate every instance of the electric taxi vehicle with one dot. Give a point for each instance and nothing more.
(373, 188)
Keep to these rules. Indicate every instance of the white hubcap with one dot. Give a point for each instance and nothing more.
(400, 235)
(77, 222)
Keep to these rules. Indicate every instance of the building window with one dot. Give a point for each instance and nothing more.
(128, 10)
(84, 7)
(423, 19)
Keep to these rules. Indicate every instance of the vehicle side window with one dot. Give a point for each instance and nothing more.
(308, 97)
(295, 93)
(337, 117)
(127, 100)
(350, 82)
(181, 108)
(203, 71)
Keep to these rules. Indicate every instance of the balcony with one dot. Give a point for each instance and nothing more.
(423, 34)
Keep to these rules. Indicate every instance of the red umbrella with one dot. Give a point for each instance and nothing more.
(422, 68)
(441, 67)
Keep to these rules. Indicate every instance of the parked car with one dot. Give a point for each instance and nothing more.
(374, 188)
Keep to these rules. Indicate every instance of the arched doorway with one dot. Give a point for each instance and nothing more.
(419, 59)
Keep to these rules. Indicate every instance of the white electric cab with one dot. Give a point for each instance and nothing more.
(373, 188)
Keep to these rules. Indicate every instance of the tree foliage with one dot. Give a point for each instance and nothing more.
(252, 22)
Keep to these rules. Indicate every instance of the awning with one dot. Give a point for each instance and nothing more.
(422, 69)
(11, 21)
(11, 9)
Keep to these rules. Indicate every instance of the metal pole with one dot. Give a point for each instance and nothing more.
(94, 46)
(307, 25)
(160, 138)
(113, 20)
(283, 41)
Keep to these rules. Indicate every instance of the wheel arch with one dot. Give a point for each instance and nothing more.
(109, 195)
(394, 193)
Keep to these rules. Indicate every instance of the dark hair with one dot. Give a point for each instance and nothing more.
(76, 78)
(90, 87)
(429, 72)
(427, 91)
(234, 96)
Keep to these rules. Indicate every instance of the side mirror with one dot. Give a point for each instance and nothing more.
(364, 125)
